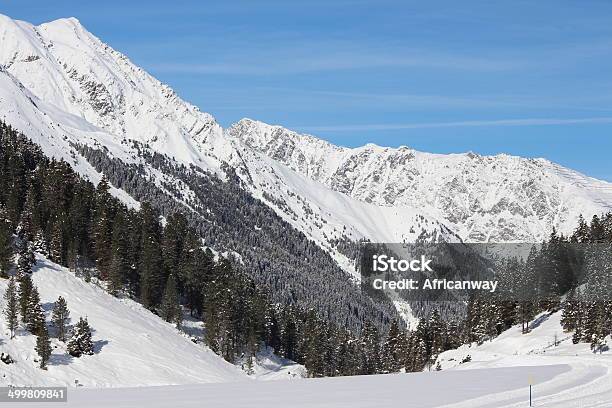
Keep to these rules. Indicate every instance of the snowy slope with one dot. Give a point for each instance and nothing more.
(587, 384)
(483, 198)
(133, 347)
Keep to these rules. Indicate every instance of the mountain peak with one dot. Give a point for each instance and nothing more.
(69, 21)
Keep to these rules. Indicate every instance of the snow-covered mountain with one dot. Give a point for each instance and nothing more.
(83, 102)
(89, 93)
(483, 198)
(69, 92)
(62, 86)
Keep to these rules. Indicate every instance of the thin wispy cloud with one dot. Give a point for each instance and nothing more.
(299, 58)
(334, 98)
(469, 123)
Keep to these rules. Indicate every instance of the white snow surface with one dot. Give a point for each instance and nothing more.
(267, 366)
(422, 390)
(133, 347)
(588, 383)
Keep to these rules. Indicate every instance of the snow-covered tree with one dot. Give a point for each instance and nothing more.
(571, 311)
(393, 349)
(26, 259)
(80, 343)
(370, 343)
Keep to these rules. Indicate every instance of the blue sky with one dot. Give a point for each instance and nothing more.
(520, 77)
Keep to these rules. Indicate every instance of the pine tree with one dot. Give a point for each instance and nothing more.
(173, 241)
(251, 351)
(594, 331)
(597, 230)
(571, 310)
(26, 259)
(196, 267)
(418, 349)
(6, 250)
(60, 318)
(102, 227)
(273, 330)
(312, 345)
(35, 313)
(170, 307)
(120, 266)
(79, 223)
(393, 349)
(578, 331)
(25, 228)
(151, 266)
(56, 243)
(582, 231)
(11, 310)
(370, 343)
(25, 291)
(436, 333)
(43, 347)
(289, 335)
(527, 286)
(80, 343)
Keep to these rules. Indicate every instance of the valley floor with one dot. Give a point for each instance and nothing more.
(498, 387)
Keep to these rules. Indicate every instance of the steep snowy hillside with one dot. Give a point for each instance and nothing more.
(483, 198)
(132, 346)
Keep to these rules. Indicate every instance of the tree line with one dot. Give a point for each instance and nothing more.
(572, 273)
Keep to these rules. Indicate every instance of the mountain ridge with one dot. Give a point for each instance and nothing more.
(401, 176)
